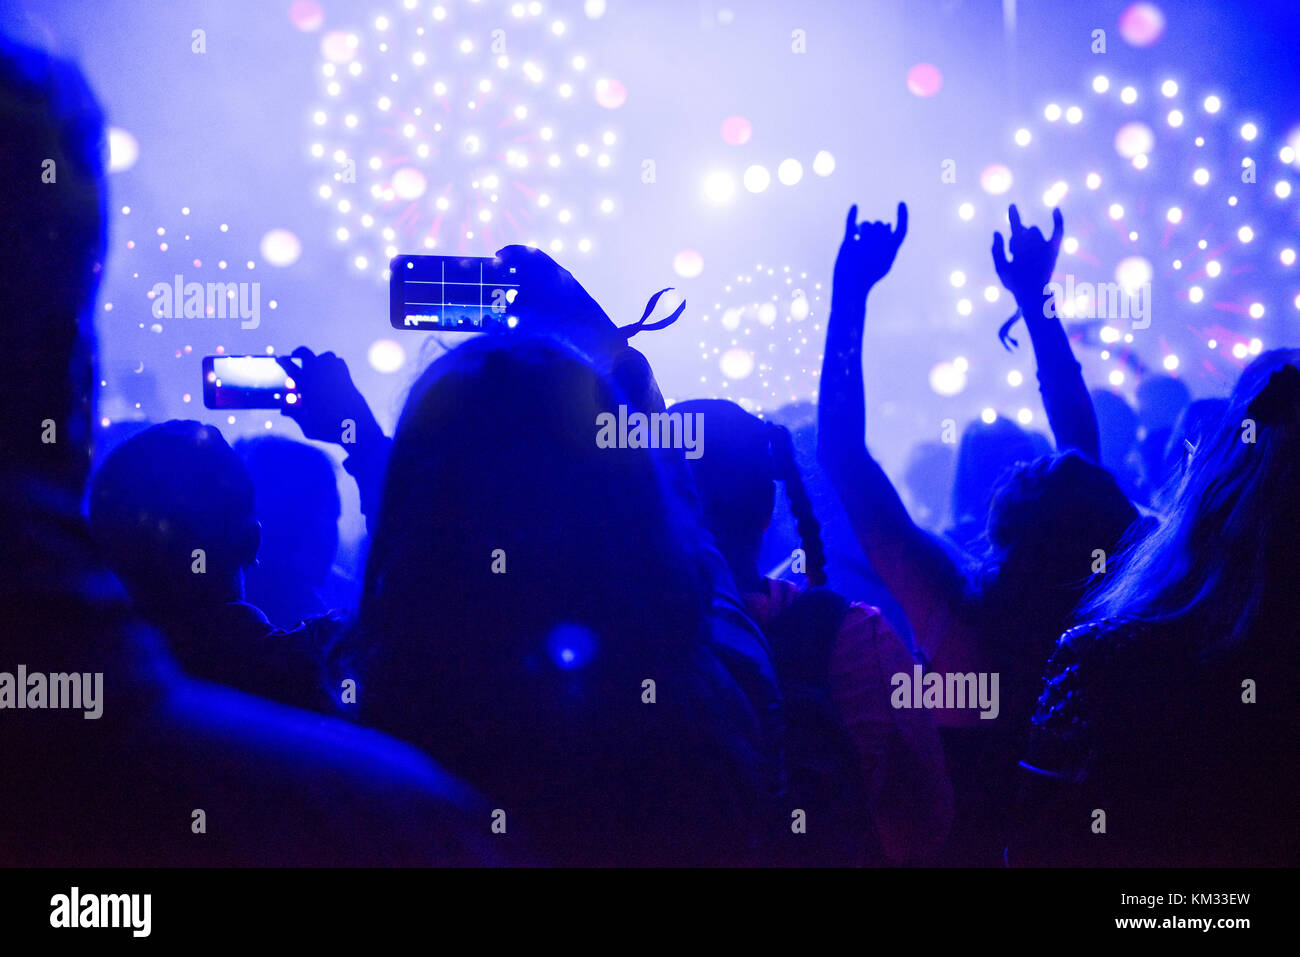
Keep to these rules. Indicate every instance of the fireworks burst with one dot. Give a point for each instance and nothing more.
(1183, 203)
(457, 128)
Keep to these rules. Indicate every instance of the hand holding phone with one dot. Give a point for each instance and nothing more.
(330, 408)
(316, 391)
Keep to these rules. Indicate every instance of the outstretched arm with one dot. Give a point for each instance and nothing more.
(866, 255)
(915, 568)
(334, 410)
(1060, 378)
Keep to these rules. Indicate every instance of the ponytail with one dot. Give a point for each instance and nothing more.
(786, 470)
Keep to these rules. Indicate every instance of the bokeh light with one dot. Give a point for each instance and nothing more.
(610, 93)
(1132, 273)
(1141, 24)
(996, 179)
(386, 355)
(737, 363)
(123, 150)
(719, 187)
(924, 80)
(688, 263)
(947, 379)
(281, 247)
(306, 15)
(736, 130)
(1134, 139)
(757, 178)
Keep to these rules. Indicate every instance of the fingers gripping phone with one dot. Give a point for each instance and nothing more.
(248, 382)
(451, 293)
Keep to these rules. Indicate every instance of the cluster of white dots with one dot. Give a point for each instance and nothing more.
(1135, 142)
(416, 97)
(136, 300)
(768, 349)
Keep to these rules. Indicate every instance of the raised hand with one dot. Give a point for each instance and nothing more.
(867, 253)
(551, 301)
(1033, 260)
(329, 398)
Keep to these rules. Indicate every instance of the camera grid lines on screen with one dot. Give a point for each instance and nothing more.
(467, 299)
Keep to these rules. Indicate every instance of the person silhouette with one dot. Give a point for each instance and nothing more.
(1154, 707)
(172, 511)
(872, 776)
(535, 615)
(1046, 520)
(297, 504)
(171, 771)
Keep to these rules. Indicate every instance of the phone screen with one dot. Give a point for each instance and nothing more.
(247, 382)
(451, 293)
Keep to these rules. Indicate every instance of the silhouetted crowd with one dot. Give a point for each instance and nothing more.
(563, 652)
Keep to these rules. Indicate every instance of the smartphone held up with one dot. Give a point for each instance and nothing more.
(452, 293)
(248, 382)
